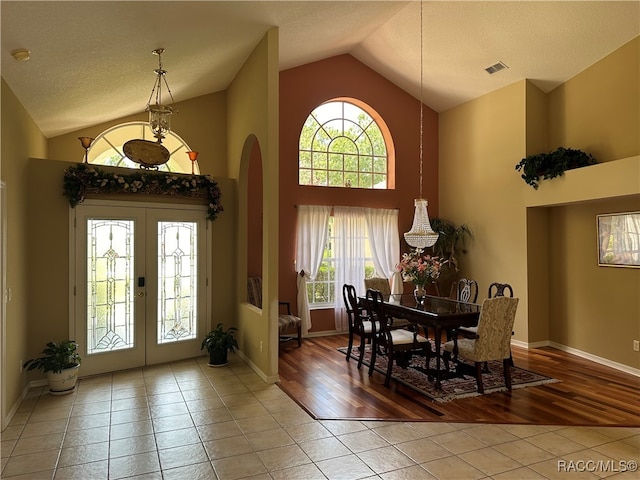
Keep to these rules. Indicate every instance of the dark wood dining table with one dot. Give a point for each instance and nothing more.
(441, 314)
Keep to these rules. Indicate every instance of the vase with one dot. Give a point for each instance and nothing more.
(419, 293)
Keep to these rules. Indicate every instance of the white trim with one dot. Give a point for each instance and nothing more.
(579, 353)
(265, 378)
(594, 358)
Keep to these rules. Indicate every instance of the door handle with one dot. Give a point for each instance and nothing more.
(140, 294)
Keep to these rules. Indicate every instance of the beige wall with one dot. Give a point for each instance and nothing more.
(21, 139)
(253, 117)
(480, 142)
(597, 110)
(201, 122)
(522, 236)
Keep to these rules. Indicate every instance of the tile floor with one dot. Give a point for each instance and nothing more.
(189, 421)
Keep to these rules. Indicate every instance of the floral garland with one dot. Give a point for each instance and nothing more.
(419, 269)
(83, 179)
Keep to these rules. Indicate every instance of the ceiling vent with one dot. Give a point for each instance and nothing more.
(496, 68)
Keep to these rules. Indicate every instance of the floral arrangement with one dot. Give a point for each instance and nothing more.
(418, 268)
(83, 179)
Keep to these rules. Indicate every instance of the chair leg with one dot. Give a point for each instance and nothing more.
(374, 351)
(361, 349)
(300, 334)
(387, 378)
(350, 346)
(506, 365)
(479, 377)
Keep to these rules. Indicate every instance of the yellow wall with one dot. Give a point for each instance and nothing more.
(480, 142)
(597, 110)
(524, 237)
(252, 100)
(201, 122)
(21, 139)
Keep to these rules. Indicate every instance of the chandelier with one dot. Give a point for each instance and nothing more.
(148, 154)
(159, 114)
(421, 234)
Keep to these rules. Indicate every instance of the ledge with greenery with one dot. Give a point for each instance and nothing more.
(553, 164)
(85, 179)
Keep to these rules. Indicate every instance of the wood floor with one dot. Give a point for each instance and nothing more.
(328, 387)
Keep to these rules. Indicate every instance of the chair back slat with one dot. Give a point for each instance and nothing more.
(498, 290)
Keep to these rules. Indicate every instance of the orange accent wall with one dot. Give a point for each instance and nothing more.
(304, 88)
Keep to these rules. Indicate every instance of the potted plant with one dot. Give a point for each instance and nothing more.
(61, 362)
(553, 164)
(218, 342)
(450, 245)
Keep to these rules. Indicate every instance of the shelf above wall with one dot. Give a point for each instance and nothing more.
(617, 178)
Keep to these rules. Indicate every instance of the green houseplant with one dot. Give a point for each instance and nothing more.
(60, 361)
(218, 342)
(451, 243)
(550, 165)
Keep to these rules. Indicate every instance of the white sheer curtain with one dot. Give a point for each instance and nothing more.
(349, 230)
(311, 238)
(384, 239)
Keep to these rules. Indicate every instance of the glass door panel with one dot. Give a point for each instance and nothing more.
(141, 289)
(176, 272)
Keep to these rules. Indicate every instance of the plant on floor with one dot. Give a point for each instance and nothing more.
(60, 361)
(218, 342)
(57, 356)
(553, 164)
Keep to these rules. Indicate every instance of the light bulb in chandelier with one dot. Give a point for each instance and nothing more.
(421, 234)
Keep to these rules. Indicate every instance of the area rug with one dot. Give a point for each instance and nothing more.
(461, 385)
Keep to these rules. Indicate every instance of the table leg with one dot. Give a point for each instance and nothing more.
(438, 336)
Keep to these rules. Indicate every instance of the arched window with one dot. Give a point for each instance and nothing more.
(345, 143)
(106, 149)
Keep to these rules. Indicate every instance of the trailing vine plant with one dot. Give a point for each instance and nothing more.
(85, 179)
(553, 164)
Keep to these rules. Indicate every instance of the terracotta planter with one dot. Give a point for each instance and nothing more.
(64, 382)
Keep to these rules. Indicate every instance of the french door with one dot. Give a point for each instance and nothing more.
(139, 283)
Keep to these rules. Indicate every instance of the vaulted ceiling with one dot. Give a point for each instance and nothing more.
(91, 61)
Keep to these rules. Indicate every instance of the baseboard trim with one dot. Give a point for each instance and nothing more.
(266, 378)
(579, 353)
(594, 358)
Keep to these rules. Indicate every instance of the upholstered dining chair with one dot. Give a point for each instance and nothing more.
(286, 320)
(360, 324)
(396, 344)
(384, 287)
(495, 290)
(492, 340)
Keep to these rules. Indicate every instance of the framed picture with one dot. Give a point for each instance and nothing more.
(619, 240)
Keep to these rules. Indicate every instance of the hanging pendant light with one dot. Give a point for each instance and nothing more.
(421, 234)
(159, 114)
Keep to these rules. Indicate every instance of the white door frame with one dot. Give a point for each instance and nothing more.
(73, 251)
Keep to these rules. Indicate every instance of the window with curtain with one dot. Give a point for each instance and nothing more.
(361, 243)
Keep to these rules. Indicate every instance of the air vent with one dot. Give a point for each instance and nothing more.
(496, 68)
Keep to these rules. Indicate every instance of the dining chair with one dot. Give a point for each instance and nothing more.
(467, 290)
(359, 322)
(384, 287)
(396, 344)
(492, 340)
(496, 289)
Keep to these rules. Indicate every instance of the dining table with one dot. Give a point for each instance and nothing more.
(440, 314)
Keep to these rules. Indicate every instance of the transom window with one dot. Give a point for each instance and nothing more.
(342, 145)
(106, 149)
